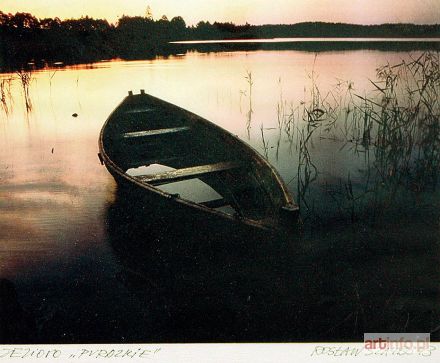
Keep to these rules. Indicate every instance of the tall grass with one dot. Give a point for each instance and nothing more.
(6, 99)
(26, 78)
(250, 111)
(395, 126)
(287, 115)
(400, 122)
(264, 142)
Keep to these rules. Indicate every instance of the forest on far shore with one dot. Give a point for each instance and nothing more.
(25, 38)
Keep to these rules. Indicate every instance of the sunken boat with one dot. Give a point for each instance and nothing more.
(177, 162)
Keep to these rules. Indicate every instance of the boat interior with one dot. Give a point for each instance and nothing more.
(177, 152)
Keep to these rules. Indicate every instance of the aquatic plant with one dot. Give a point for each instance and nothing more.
(402, 121)
(6, 100)
(250, 111)
(307, 172)
(287, 115)
(25, 78)
(265, 144)
(395, 127)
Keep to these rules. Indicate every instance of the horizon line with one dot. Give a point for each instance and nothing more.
(222, 22)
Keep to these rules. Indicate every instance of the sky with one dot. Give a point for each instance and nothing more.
(239, 11)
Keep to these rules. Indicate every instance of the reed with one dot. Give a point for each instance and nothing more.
(26, 78)
(250, 82)
(265, 143)
(250, 111)
(287, 115)
(307, 172)
(395, 126)
(3, 99)
(6, 99)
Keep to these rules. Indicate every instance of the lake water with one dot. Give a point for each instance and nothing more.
(311, 39)
(368, 246)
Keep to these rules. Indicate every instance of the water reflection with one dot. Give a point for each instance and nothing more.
(392, 133)
(17, 324)
(311, 45)
(89, 264)
(201, 282)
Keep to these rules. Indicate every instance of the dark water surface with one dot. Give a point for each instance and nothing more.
(88, 264)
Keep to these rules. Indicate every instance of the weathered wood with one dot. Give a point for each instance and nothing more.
(174, 130)
(215, 203)
(139, 110)
(255, 191)
(188, 173)
(149, 161)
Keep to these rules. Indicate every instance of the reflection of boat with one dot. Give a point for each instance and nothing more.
(181, 161)
(194, 285)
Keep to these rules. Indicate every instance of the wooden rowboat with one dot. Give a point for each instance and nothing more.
(178, 161)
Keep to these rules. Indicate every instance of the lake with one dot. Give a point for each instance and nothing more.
(86, 270)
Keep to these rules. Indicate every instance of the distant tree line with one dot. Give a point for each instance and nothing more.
(24, 38)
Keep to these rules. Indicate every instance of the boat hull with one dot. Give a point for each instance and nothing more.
(284, 213)
(147, 204)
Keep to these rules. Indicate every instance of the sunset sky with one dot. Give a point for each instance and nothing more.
(240, 11)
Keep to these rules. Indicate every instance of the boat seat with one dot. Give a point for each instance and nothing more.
(146, 162)
(187, 173)
(215, 203)
(173, 130)
(139, 110)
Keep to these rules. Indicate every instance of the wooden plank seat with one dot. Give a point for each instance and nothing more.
(216, 203)
(173, 130)
(187, 173)
(157, 160)
(139, 110)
